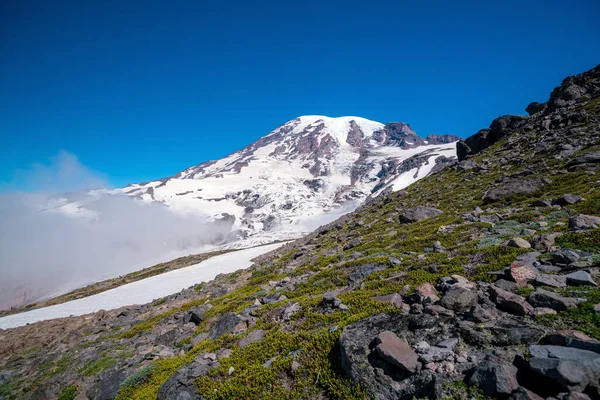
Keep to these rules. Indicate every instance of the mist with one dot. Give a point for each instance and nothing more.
(45, 251)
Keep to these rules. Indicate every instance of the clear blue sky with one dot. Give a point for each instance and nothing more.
(142, 89)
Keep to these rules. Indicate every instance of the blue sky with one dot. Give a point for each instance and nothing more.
(140, 90)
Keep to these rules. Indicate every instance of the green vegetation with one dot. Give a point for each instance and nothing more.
(97, 366)
(587, 240)
(68, 393)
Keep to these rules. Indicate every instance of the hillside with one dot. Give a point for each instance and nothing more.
(478, 281)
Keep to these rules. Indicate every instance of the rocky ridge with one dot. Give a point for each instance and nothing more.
(479, 281)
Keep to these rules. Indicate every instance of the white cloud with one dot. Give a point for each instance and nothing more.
(44, 252)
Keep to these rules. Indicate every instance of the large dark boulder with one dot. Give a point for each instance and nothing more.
(418, 213)
(361, 273)
(535, 107)
(495, 377)
(499, 128)
(107, 386)
(459, 299)
(226, 324)
(571, 368)
(513, 186)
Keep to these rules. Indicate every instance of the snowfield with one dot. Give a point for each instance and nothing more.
(143, 291)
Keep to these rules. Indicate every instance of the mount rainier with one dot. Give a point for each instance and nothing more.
(291, 179)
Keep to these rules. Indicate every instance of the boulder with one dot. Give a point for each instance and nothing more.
(394, 299)
(544, 241)
(580, 278)
(572, 338)
(592, 157)
(545, 298)
(494, 377)
(273, 298)
(253, 337)
(513, 186)
(521, 274)
(510, 302)
(196, 314)
(424, 294)
(567, 200)
(418, 213)
(535, 107)
(571, 368)
(107, 386)
(226, 324)
(434, 354)
(361, 273)
(565, 257)
(556, 281)
(396, 351)
(582, 222)
(289, 311)
(459, 299)
(519, 243)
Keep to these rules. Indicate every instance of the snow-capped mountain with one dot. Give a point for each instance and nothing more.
(306, 168)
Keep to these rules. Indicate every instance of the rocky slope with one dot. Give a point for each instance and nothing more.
(479, 281)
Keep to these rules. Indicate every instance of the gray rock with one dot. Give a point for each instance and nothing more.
(573, 369)
(458, 299)
(107, 386)
(273, 298)
(545, 298)
(435, 353)
(513, 186)
(448, 343)
(582, 221)
(572, 338)
(168, 338)
(580, 278)
(418, 213)
(544, 241)
(269, 362)
(562, 352)
(394, 299)
(565, 257)
(253, 337)
(556, 281)
(548, 268)
(196, 314)
(585, 158)
(290, 310)
(567, 199)
(226, 324)
(361, 273)
(494, 377)
(519, 243)
(331, 301)
(506, 285)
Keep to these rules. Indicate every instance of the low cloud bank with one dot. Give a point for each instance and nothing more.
(51, 243)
